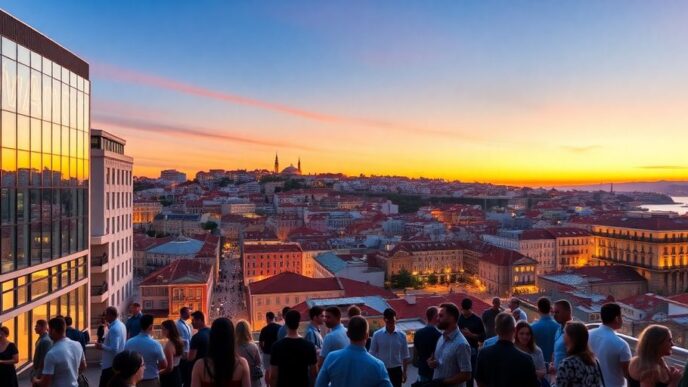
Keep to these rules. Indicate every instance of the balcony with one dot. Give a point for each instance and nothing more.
(99, 293)
(99, 264)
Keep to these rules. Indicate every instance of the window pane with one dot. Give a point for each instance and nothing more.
(35, 135)
(7, 248)
(22, 338)
(9, 84)
(64, 118)
(9, 130)
(23, 55)
(23, 133)
(36, 61)
(23, 87)
(56, 100)
(47, 137)
(8, 163)
(47, 98)
(36, 98)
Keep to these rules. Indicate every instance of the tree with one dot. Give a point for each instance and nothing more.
(402, 280)
(432, 279)
(209, 225)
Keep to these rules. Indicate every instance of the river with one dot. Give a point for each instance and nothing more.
(678, 207)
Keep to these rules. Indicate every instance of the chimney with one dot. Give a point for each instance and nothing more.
(410, 299)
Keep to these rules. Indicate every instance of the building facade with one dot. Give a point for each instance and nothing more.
(655, 245)
(423, 259)
(262, 261)
(44, 209)
(145, 212)
(112, 233)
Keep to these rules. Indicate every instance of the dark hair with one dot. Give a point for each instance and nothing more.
(357, 329)
(333, 310)
(466, 303)
(524, 325)
(5, 330)
(136, 304)
(184, 309)
(451, 310)
(544, 305)
(221, 351)
(609, 312)
(198, 315)
(146, 322)
(504, 323)
(57, 324)
(578, 333)
(111, 311)
(389, 313)
(315, 312)
(68, 321)
(42, 323)
(292, 319)
(285, 310)
(125, 365)
(353, 311)
(173, 336)
(564, 304)
(270, 316)
(431, 313)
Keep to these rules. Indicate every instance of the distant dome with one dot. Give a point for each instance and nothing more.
(291, 170)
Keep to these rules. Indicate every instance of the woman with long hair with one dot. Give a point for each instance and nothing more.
(171, 376)
(247, 349)
(222, 367)
(9, 356)
(525, 341)
(648, 368)
(128, 368)
(580, 368)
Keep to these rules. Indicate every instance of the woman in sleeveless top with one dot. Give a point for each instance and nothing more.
(580, 368)
(247, 349)
(648, 368)
(222, 367)
(9, 356)
(171, 376)
(525, 341)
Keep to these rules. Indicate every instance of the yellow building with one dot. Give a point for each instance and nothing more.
(423, 258)
(656, 245)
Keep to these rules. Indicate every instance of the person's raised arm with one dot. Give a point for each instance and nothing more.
(169, 358)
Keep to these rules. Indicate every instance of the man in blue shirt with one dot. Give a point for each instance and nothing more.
(185, 334)
(545, 329)
(389, 345)
(313, 331)
(282, 333)
(112, 344)
(134, 321)
(562, 313)
(74, 334)
(424, 343)
(337, 338)
(152, 352)
(353, 366)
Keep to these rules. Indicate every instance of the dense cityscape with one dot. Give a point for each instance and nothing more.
(284, 275)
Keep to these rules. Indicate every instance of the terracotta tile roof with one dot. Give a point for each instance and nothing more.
(143, 242)
(535, 233)
(272, 248)
(595, 275)
(181, 271)
(682, 298)
(289, 282)
(406, 310)
(359, 289)
(655, 223)
(500, 256)
(426, 246)
(559, 232)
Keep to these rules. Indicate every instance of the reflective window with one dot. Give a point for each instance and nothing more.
(9, 84)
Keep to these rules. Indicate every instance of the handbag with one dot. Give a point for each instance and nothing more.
(256, 369)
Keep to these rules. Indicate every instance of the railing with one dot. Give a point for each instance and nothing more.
(99, 261)
(98, 290)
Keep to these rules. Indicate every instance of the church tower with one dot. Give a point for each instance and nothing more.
(299, 165)
(276, 164)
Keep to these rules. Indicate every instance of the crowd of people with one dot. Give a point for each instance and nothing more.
(456, 348)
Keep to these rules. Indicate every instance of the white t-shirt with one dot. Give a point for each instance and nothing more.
(62, 362)
(611, 350)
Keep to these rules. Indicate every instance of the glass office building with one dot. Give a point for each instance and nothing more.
(44, 183)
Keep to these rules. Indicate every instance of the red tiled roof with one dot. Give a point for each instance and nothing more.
(500, 256)
(426, 245)
(272, 248)
(143, 242)
(535, 233)
(181, 271)
(604, 274)
(655, 223)
(405, 310)
(682, 298)
(361, 289)
(559, 232)
(289, 282)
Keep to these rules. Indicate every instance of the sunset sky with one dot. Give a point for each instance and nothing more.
(494, 91)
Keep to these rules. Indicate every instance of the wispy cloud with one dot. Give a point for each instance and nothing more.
(663, 167)
(581, 149)
(136, 77)
(164, 128)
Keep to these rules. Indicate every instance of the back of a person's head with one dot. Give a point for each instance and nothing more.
(431, 313)
(451, 309)
(243, 332)
(357, 329)
(563, 304)
(334, 311)
(315, 312)
(578, 337)
(198, 315)
(146, 322)
(353, 311)
(505, 323)
(222, 349)
(466, 304)
(125, 365)
(57, 324)
(270, 316)
(650, 346)
(609, 312)
(285, 310)
(292, 319)
(42, 323)
(68, 321)
(111, 311)
(544, 305)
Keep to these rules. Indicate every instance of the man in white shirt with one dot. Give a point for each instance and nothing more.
(65, 360)
(613, 353)
(113, 344)
(390, 346)
(516, 311)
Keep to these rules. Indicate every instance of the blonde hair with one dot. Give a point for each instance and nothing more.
(243, 332)
(648, 350)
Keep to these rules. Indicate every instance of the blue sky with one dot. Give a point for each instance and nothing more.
(482, 90)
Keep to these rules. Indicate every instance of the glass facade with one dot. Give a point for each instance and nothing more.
(44, 181)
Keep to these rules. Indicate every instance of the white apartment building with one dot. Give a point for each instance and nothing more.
(111, 224)
(538, 244)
